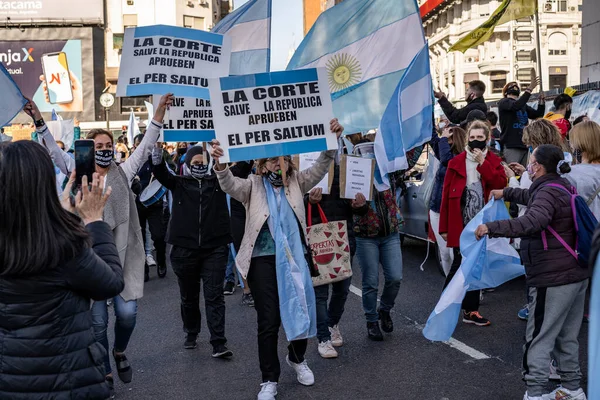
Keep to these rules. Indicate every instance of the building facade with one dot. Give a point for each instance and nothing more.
(590, 43)
(510, 54)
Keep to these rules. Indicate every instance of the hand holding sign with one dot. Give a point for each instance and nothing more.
(165, 102)
(32, 109)
(216, 152)
(335, 127)
(359, 201)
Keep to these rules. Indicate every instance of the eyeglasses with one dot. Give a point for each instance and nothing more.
(275, 159)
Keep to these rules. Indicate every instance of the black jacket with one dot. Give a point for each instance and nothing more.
(514, 116)
(458, 115)
(199, 217)
(47, 345)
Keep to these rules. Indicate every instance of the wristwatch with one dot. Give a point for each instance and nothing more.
(39, 123)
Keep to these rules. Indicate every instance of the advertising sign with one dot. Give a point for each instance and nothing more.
(48, 71)
(47, 10)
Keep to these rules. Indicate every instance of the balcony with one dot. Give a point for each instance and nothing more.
(488, 66)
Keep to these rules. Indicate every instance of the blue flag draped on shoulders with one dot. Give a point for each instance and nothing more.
(366, 46)
(11, 101)
(594, 334)
(486, 263)
(250, 30)
(407, 120)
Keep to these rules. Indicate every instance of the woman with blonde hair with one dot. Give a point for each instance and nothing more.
(585, 138)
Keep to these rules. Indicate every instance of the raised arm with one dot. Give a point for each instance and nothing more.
(160, 170)
(308, 178)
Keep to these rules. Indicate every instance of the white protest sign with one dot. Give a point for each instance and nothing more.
(162, 59)
(268, 115)
(307, 160)
(188, 120)
(356, 176)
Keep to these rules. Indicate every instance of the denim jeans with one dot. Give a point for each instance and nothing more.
(330, 317)
(371, 252)
(125, 312)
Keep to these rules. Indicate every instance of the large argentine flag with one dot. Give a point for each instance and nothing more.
(594, 344)
(407, 120)
(11, 101)
(486, 263)
(250, 29)
(366, 45)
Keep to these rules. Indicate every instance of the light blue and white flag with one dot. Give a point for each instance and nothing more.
(486, 263)
(132, 128)
(250, 30)
(407, 121)
(11, 101)
(594, 344)
(366, 46)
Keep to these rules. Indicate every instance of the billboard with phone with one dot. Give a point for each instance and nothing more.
(49, 71)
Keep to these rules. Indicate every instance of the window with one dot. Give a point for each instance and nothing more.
(524, 76)
(484, 8)
(524, 55)
(523, 36)
(555, 6)
(130, 20)
(498, 79)
(136, 103)
(193, 22)
(557, 44)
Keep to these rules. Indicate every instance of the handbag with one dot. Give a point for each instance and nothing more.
(329, 248)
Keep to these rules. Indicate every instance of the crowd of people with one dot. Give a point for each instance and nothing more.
(76, 253)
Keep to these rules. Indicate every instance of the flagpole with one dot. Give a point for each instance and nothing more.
(539, 47)
(270, 5)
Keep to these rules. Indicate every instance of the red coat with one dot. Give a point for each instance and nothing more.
(451, 216)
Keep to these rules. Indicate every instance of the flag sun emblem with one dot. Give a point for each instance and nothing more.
(343, 71)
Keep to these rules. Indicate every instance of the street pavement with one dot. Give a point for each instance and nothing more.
(481, 363)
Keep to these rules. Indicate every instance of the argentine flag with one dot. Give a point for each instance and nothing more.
(250, 30)
(486, 263)
(11, 101)
(594, 334)
(366, 46)
(407, 121)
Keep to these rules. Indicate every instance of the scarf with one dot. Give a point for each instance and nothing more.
(472, 173)
(297, 304)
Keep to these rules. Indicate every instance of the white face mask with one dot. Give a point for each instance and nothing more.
(442, 125)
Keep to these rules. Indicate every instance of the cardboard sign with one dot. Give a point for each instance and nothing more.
(162, 59)
(269, 115)
(307, 160)
(356, 176)
(187, 120)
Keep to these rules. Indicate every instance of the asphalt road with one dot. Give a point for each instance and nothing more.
(485, 362)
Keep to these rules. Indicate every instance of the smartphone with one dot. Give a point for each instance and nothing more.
(85, 162)
(58, 79)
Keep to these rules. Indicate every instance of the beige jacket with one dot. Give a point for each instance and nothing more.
(251, 193)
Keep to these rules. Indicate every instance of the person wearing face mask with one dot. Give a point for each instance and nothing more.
(514, 116)
(473, 97)
(274, 256)
(563, 103)
(470, 178)
(557, 284)
(121, 215)
(199, 231)
(180, 150)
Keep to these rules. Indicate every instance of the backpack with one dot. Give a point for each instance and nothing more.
(585, 224)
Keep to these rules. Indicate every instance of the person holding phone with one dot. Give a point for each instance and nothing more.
(470, 178)
(121, 215)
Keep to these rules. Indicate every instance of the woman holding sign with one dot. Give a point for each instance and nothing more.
(274, 256)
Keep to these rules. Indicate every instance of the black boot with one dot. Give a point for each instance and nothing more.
(146, 273)
(374, 332)
(386, 321)
(161, 270)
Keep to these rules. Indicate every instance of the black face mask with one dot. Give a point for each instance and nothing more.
(513, 91)
(198, 171)
(275, 179)
(182, 150)
(477, 144)
(104, 158)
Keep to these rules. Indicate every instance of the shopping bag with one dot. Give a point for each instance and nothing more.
(433, 165)
(329, 248)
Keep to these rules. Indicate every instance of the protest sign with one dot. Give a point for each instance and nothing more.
(188, 120)
(162, 59)
(268, 115)
(356, 176)
(307, 160)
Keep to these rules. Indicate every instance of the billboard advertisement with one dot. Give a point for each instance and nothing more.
(48, 10)
(48, 71)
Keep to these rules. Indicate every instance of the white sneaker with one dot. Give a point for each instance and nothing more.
(303, 373)
(326, 350)
(554, 376)
(150, 260)
(336, 336)
(528, 397)
(268, 391)
(565, 394)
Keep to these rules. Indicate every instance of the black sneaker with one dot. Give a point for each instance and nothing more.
(161, 270)
(374, 332)
(146, 273)
(221, 351)
(110, 382)
(190, 341)
(229, 288)
(475, 318)
(387, 325)
(124, 370)
(247, 300)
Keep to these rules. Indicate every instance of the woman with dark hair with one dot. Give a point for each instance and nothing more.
(556, 282)
(52, 263)
(274, 258)
(122, 217)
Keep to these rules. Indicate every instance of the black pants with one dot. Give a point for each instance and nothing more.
(471, 300)
(158, 218)
(262, 279)
(190, 266)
